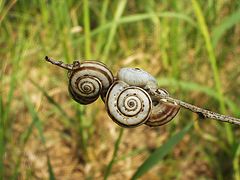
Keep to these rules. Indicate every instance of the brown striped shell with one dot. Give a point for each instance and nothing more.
(162, 113)
(88, 81)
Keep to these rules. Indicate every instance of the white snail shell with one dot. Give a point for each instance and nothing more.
(162, 113)
(128, 106)
(136, 77)
(88, 81)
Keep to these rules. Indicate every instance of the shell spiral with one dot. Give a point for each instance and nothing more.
(128, 106)
(89, 81)
(162, 111)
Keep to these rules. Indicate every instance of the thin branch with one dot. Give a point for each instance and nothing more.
(200, 111)
(62, 64)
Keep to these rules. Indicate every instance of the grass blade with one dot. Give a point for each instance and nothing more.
(236, 162)
(2, 143)
(161, 152)
(24, 138)
(101, 36)
(208, 43)
(204, 31)
(121, 6)
(39, 126)
(54, 103)
(116, 147)
(5, 12)
(137, 18)
(50, 169)
(5, 122)
(145, 16)
(227, 23)
(87, 29)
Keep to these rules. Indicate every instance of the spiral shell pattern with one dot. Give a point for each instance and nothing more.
(128, 106)
(86, 90)
(89, 81)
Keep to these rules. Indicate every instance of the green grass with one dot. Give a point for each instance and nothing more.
(192, 48)
(116, 148)
(87, 30)
(39, 126)
(120, 8)
(212, 58)
(226, 24)
(160, 153)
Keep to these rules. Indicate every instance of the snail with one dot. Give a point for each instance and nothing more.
(132, 98)
(87, 80)
(137, 77)
(129, 104)
(162, 113)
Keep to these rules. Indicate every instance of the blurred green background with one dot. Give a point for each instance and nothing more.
(191, 47)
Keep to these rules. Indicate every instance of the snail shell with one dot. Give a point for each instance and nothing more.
(136, 77)
(89, 80)
(162, 113)
(128, 106)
